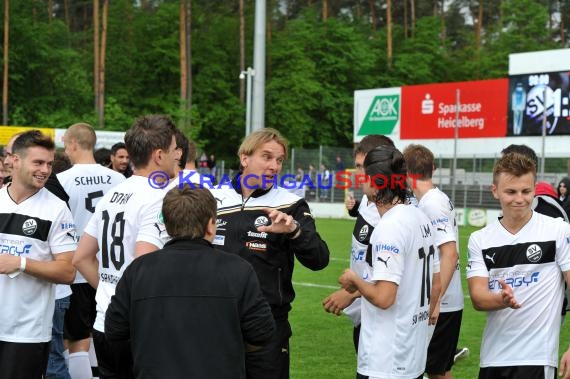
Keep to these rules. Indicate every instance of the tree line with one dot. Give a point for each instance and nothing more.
(106, 62)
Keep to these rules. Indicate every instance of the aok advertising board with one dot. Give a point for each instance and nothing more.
(527, 105)
(430, 111)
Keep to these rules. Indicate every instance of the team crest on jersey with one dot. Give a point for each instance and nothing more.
(220, 224)
(29, 227)
(261, 221)
(363, 233)
(534, 253)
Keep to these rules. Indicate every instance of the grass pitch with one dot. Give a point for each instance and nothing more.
(321, 346)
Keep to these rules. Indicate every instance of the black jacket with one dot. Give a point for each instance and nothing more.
(271, 255)
(188, 309)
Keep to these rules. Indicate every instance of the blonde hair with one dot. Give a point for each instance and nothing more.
(254, 141)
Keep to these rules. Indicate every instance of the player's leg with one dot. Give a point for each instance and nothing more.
(57, 366)
(272, 360)
(442, 347)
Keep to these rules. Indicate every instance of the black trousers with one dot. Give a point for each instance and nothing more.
(272, 360)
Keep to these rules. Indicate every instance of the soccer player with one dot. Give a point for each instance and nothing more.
(120, 159)
(207, 303)
(269, 227)
(436, 205)
(361, 253)
(516, 271)
(127, 223)
(37, 240)
(395, 302)
(86, 183)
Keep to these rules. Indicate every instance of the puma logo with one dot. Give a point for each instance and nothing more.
(219, 200)
(384, 261)
(492, 259)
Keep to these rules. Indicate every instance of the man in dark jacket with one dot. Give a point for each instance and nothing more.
(269, 227)
(190, 310)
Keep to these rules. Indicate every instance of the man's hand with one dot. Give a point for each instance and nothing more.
(281, 223)
(434, 312)
(337, 301)
(350, 202)
(347, 280)
(564, 371)
(9, 263)
(508, 295)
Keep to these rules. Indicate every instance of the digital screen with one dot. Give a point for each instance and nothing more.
(534, 96)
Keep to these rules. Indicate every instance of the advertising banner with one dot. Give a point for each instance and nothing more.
(429, 111)
(6, 132)
(527, 104)
(377, 111)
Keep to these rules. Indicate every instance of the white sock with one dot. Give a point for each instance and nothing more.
(79, 365)
(92, 355)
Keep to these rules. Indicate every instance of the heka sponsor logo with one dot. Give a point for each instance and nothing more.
(29, 227)
(15, 250)
(516, 279)
(67, 225)
(256, 234)
(386, 247)
(256, 245)
(534, 253)
(358, 255)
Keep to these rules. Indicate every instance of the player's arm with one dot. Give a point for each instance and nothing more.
(85, 259)
(485, 300)
(142, 248)
(448, 263)
(59, 270)
(338, 300)
(381, 293)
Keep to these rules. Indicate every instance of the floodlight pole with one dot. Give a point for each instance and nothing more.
(258, 111)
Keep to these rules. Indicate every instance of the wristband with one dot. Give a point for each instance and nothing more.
(294, 233)
(21, 269)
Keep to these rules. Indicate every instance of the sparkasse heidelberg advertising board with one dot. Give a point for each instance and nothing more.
(429, 111)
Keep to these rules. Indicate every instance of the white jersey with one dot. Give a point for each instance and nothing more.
(393, 342)
(37, 228)
(441, 213)
(531, 262)
(127, 214)
(361, 252)
(86, 184)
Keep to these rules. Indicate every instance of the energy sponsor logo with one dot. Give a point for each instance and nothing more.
(15, 249)
(515, 279)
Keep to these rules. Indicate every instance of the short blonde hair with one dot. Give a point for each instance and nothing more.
(254, 141)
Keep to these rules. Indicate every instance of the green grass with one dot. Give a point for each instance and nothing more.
(321, 346)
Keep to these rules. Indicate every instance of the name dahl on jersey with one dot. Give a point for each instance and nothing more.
(90, 180)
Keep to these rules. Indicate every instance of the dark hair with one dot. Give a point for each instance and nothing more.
(61, 162)
(182, 144)
(386, 168)
(521, 149)
(372, 141)
(148, 133)
(32, 138)
(419, 161)
(187, 212)
(103, 156)
(118, 146)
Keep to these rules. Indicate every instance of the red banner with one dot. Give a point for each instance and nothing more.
(429, 111)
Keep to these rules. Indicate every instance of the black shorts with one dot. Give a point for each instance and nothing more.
(80, 316)
(443, 344)
(23, 360)
(518, 372)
